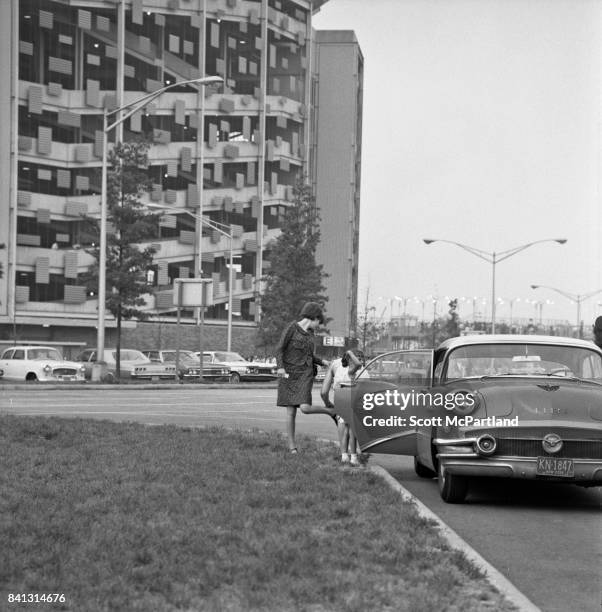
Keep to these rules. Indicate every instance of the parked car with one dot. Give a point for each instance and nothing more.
(130, 359)
(527, 407)
(320, 373)
(38, 363)
(241, 368)
(189, 365)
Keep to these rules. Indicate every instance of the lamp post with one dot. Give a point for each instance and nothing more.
(538, 308)
(494, 258)
(423, 303)
(224, 230)
(137, 105)
(574, 297)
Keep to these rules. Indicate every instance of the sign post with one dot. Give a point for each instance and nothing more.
(191, 293)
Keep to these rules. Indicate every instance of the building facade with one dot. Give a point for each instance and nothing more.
(336, 160)
(229, 154)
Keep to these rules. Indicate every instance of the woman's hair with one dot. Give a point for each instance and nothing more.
(350, 357)
(312, 310)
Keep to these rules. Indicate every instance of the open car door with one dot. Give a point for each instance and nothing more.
(379, 404)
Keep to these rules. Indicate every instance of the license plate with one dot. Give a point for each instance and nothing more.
(553, 466)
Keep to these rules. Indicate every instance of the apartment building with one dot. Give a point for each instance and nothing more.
(337, 154)
(229, 154)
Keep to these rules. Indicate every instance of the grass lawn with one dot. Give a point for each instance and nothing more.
(128, 517)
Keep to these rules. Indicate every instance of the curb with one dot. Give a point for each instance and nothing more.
(498, 580)
(130, 386)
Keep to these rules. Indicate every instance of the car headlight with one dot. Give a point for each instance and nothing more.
(465, 402)
(246, 371)
(82, 368)
(47, 369)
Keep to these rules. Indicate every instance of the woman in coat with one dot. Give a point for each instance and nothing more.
(295, 360)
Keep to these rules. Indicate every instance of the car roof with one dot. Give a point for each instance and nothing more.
(31, 346)
(516, 339)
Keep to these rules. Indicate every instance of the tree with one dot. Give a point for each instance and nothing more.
(451, 329)
(128, 225)
(294, 276)
(434, 333)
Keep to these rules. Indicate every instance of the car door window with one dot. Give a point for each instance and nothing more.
(8, 354)
(404, 367)
(591, 368)
(19, 354)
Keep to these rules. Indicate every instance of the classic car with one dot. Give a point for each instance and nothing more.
(526, 407)
(39, 363)
(241, 368)
(189, 365)
(130, 359)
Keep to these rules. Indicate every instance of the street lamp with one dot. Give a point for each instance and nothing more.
(575, 297)
(224, 230)
(422, 302)
(493, 258)
(538, 306)
(137, 105)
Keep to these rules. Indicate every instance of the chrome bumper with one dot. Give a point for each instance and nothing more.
(586, 470)
(459, 456)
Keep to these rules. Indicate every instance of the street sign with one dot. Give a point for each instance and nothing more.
(193, 292)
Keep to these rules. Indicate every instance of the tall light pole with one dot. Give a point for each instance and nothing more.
(494, 258)
(404, 300)
(134, 107)
(574, 297)
(224, 230)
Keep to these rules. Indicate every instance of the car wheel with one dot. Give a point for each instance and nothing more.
(422, 471)
(235, 378)
(109, 377)
(452, 488)
(31, 377)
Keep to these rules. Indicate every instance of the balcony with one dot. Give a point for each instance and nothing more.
(58, 205)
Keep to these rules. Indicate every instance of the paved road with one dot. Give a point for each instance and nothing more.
(546, 539)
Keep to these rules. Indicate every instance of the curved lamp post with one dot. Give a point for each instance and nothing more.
(134, 107)
(574, 297)
(494, 258)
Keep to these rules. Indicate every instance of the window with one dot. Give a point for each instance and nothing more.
(45, 353)
(404, 367)
(523, 360)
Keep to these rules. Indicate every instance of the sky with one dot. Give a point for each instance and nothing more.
(481, 125)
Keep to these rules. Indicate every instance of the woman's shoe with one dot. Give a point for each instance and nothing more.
(354, 461)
